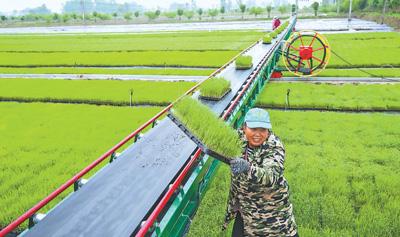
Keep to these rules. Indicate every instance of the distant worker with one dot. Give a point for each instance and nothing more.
(259, 194)
(275, 22)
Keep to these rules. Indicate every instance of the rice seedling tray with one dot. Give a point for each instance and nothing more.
(244, 67)
(215, 98)
(201, 145)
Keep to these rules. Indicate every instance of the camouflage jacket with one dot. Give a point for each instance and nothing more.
(261, 195)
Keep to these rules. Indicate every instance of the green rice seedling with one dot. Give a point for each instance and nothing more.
(284, 25)
(207, 127)
(206, 49)
(267, 39)
(129, 42)
(177, 58)
(379, 50)
(342, 171)
(244, 62)
(115, 92)
(273, 34)
(184, 49)
(108, 70)
(47, 144)
(215, 88)
(355, 72)
(281, 28)
(332, 96)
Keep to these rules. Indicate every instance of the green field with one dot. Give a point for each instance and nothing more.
(331, 96)
(365, 49)
(342, 170)
(93, 91)
(181, 41)
(205, 49)
(376, 72)
(193, 49)
(111, 70)
(44, 145)
(141, 58)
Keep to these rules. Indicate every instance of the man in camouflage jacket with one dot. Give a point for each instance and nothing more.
(259, 195)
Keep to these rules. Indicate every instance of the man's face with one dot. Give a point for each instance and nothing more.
(255, 136)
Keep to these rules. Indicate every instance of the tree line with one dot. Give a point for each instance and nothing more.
(199, 13)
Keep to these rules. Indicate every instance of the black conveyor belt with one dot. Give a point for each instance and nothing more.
(117, 198)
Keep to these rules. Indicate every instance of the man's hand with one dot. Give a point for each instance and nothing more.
(239, 166)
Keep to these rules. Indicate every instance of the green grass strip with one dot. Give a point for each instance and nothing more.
(332, 96)
(196, 48)
(113, 91)
(128, 42)
(147, 58)
(215, 87)
(208, 128)
(380, 72)
(365, 49)
(120, 71)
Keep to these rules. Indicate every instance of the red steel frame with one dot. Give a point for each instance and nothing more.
(80, 174)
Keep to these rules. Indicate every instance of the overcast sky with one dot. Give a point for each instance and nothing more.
(56, 5)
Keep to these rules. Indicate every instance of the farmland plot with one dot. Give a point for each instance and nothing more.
(342, 170)
(329, 96)
(44, 145)
(93, 91)
(195, 49)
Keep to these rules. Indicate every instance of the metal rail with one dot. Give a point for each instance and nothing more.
(160, 206)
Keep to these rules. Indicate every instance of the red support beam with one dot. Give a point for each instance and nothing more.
(276, 74)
